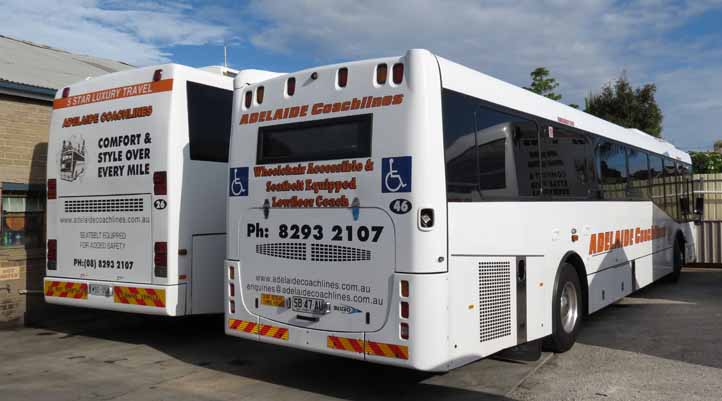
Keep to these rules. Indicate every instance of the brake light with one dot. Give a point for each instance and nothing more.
(231, 273)
(249, 99)
(160, 186)
(161, 254)
(232, 290)
(405, 310)
(382, 72)
(342, 77)
(66, 92)
(232, 306)
(404, 288)
(52, 188)
(157, 74)
(52, 254)
(291, 86)
(398, 73)
(259, 94)
(404, 331)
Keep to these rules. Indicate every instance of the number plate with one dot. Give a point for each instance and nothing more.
(101, 290)
(314, 306)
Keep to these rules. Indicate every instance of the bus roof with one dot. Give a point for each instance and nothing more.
(465, 80)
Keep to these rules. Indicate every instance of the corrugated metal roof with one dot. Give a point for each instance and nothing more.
(35, 65)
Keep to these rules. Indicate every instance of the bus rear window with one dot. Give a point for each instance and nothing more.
(209, 122)
(330, 139)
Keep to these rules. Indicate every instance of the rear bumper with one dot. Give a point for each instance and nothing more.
(123, 297)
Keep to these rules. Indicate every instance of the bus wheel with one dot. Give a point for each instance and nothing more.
(677, 261)
(566, 311)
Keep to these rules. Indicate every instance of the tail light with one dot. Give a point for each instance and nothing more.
(232, 306)
(52, 188)
(161, 259)
(249, 99)
(382, 72)
(404, 331)
(52, 254)
(66, 92)
(160, 186)
(342, 77)
(398, 73)
(231, 290)
(291, 86)
(405, 310)
(231, 273)
(404, 288)
(157, 74)
(259, 94)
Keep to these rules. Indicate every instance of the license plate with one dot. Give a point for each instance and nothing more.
(314, 306)
(273, 300)
(101, 290)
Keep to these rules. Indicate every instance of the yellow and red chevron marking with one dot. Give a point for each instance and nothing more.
(345, 344)
(387, 350)
(139, 296)
(64, 289)
(242, 325)
(273, 332)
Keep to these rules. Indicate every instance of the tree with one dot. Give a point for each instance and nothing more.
(718, 146)
(543, 85)
(706, 162)
(623, 105)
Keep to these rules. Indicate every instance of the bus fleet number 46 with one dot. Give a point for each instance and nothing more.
(305, 231)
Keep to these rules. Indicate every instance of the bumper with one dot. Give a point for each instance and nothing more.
(116, 296)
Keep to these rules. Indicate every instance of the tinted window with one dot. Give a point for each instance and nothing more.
(670, 187)
(638, 174)
(612, 167)
(209, 121)
(567, 167)
(330, 139)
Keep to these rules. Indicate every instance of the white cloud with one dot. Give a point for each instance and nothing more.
(131, 32)
(584, 43)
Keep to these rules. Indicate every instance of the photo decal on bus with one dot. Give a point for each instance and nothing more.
(72, 159)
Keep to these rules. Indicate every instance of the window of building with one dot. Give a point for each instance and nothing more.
(209, 121)
(22, 216)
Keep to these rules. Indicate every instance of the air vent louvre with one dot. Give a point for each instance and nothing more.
(494, 300)
(285, 250)
(104, 205)
(337, 253)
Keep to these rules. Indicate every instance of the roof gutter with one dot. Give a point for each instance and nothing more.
(27, 91)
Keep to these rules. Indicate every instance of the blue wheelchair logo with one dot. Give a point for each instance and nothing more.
(238, 182)
(396, 174)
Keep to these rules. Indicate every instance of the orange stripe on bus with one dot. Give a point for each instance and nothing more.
(145, 88)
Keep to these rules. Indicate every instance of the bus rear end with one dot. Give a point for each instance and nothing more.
(337, 212)
(112, 168)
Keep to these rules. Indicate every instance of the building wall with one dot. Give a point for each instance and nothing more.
(23, 153)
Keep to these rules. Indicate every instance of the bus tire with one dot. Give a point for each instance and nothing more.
(677, 259)
(567, 310)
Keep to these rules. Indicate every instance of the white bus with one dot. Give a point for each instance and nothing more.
(413, 212)
(136, 176)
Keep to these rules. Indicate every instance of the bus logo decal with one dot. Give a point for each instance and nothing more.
(238, 182)
(396, 174)
(72, 159)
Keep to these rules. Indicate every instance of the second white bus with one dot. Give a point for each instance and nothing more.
(414, 212)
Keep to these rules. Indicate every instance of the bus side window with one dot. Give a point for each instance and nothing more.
(567, 167)
(209, 121)
(612, 168)
(638, 188)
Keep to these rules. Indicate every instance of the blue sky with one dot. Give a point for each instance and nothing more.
(676, 44)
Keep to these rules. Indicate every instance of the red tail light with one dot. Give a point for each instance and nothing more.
(259, 94)
(161, 254)
(66, 92)
(404, 331)
(342, 77)
(231, 273)
(404, 288)
(291, 86)
(160, 186)
(157, 74)
(382, 72)
(398, 73)
(405, 310)
(52, 254)
(52, 188)
(249, 99)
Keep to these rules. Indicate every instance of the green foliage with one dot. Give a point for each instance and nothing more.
(718, 146)
(623, 105)
(706, 162)
(543, 85)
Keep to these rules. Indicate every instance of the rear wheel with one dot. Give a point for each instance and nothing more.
(566, 310)
(677, 260)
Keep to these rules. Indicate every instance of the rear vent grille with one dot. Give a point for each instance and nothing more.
(104, 205)
(285, 250)
(494, 300)
(337, 253)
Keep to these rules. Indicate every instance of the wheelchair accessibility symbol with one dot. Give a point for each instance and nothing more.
(396, 174)
(238, 182)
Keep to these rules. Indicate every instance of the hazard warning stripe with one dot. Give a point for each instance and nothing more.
(145, 88)
(139, 296)
(345, 344)
(66, 289)
(265, 330)
(387, 350)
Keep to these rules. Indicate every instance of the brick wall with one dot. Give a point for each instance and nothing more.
(23, 153)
